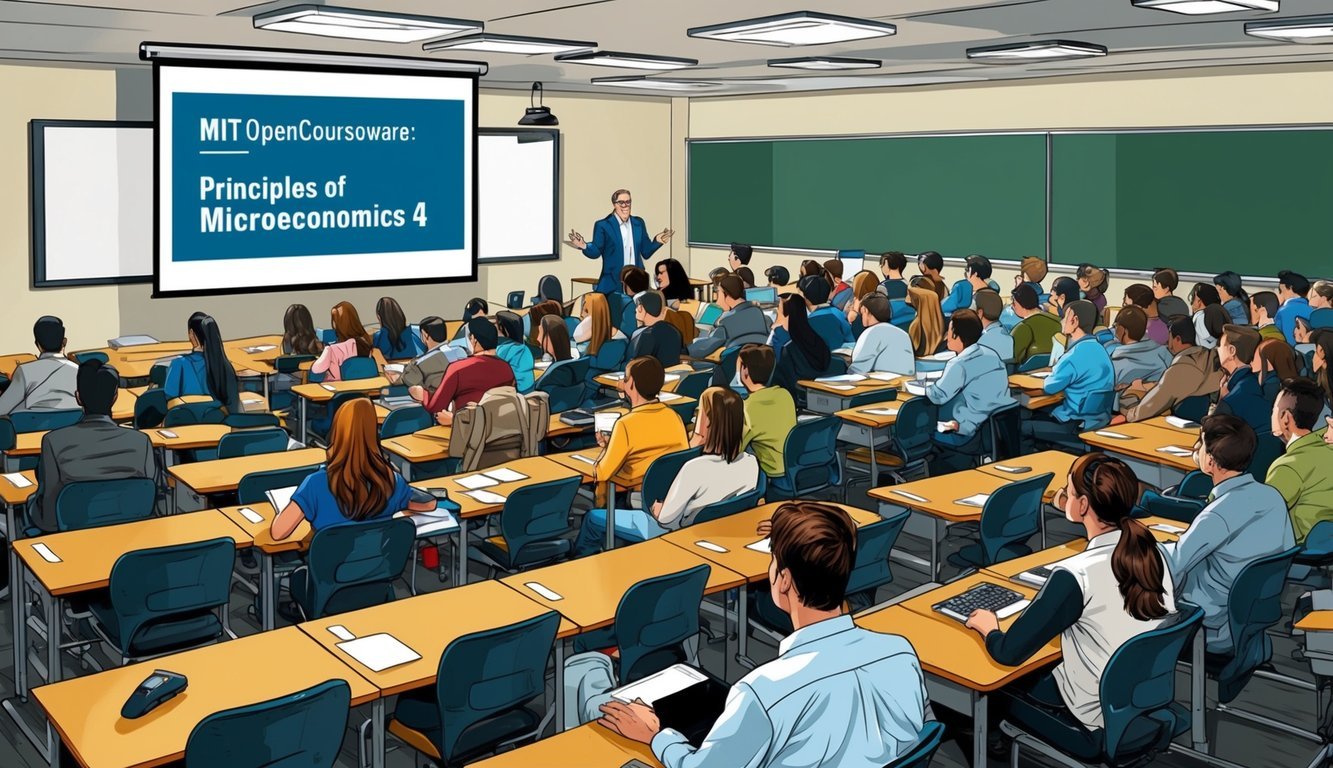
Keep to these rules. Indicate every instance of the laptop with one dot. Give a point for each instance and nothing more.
(708, 314)
(693, 710)
(764, 297)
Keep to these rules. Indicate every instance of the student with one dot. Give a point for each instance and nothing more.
(723, 471)
(1292, 289)
(892, 264)
(1141, 296)
(1301, 475)
(1323, 354)
(930, 264)
(95, 448)
(468, 380)
(927, 328)
(1263, 306)
(1164, 285)
(882, 347)
(649, 430)
(864, 283)
(427, 369)
(837, 694)
(1035, 332)
(353, 341)
(298, 332)
(833, 270)
(655, 337)
(1240, 394)
(205, 369)
(394, 339)
(827, 320)
(47, 383)
(740, 323)
(1134, 357)
(595, 329)
(1234, 298)
(974, 385)
(1031, 270)
(635, 283)
(1203, 296)
(475, 307)
(994, 335)
(513, 351)
(1084, 375)
(1193, 371)
(1064, 291)
(1092, 282)
(739, 256)
(356, 484)
(777, 276)
(1095, 602)
(553, 340)
(1274, 362)
(747, 276)
(805, 356)
(534, 321)
(1321, 295)
(770, 412)
(975, 274)
(673, 282)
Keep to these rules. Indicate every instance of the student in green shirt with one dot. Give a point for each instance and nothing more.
(770, 412)
(1301, 475)
(1033, 334)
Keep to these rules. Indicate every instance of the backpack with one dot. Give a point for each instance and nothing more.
(504, 425)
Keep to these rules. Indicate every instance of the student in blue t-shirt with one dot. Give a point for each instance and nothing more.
(395, 339)
(205, 369)
(356, 483)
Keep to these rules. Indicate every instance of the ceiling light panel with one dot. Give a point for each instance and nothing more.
(800, 28)
(627, 60)
(1306, 29)
(1205, 7)
(357, 24)
(1041, 50)
(656, 84)
(824, 63)
(489, 43)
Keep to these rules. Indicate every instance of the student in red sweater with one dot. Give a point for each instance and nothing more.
(467, 380)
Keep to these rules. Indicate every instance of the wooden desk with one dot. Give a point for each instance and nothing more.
(1160, 421)
(870, 425)
(9, 363)
(830, 397)
(137, 362)
(588, 746)
(223, 475)
(123, 409)
(1057, 463)
(324, 391)
(86, 710)
(268, 549)
(1011, 568)
(1032, 381)
(188, 437)
(1141, 449)
(939, 509)
(12, 495)
(612, 380)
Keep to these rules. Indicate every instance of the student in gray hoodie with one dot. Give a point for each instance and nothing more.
(741, 322)
(1136, 357)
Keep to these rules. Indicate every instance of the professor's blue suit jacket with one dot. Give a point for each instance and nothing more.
(607, 246)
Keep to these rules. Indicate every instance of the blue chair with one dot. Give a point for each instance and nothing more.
(1034, 363)
(549, 289)
(1321, 318)
(514, 300)
(841, 298)
(725, 370)
(910, 446)
(157, 375)
(94, 503)
(252, 488)
(919, 756)
(1139, 713)
(1182, 510)
(657, 479)
(207, 412)
(653, 620)
(871, 569)
(359, 368)
(564, 383)
(303, 728)
(533, 522)
(165, 599)
(1195, 485)
(484, 686)
(1254, 606)
(1010, 517)
(903, 314)
(328, 336)
(610, 357)
(405, 421)
(252, 443)
(570, 324)
(1193, 408)
(280, 399)
(735, 504)
(352, 566)
(811, 458)
(83, 357)
(252, 420)
(38, 421)
(150, 409)
(694, 384)
(1002, 435)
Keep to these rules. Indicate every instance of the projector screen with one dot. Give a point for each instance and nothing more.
(272, 178)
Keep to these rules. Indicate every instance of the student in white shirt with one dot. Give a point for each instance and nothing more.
(994, 335)
(882, 346)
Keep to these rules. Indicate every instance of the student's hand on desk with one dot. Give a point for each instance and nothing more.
(983, 622)
(1118, 419)
(764, 528)
(601, 439)
(417, 393)
(444, 418)
(635, 721)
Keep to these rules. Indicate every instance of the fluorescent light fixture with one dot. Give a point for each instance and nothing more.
(1204, 7)
(1305, 29)
(328, 21)
(656, 84)
(824, 63)
(800, 28)
(507, 44)
(1041, 50)
(627, 60)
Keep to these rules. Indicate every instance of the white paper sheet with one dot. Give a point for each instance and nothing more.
(710, 546)
(977, 500)
(667, 397)
(1042, 374)
(880, 411)
(330, 387)
(911, 496)
(17, 480)
(1165, 528)
(842, 379)
(486, 497)
(914, 389)
(45, 552)
(473, 482)
(584, 459)
(543, 590)
(379, 652)
(280, 497)
(1175, 450)
(670, 377)
(885, 375)
(341, 632)
(1180, 423)
(1112, 435)
(604, 421)
(671, 680)
(251, 515)
(1012, 470)
(763, 545)
(841, 387)
(505, 475)
(168, 434)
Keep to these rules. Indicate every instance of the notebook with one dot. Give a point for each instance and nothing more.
(765, 295)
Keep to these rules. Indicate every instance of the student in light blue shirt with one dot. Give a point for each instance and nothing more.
(1084, 375)
(974, 385)
(882, 346)
(512, 350)
(976, 276)
(1132, 356)
(1291, 291)
(993, 334)
(836, 695)
(828, 321)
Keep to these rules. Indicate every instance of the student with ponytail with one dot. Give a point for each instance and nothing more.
(1095, 601)
(205, 370)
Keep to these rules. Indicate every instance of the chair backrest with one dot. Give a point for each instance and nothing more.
(694, 384)
(654, 617)
(927, 742)
(1140, 678)
(514, 300)
(1003, 435)
(741, 503)
(328, 335)
(358, 368)
(150, 585)
(912, 429)
(252, 442)
(549, 289)
(536, 513)
(157, 375)
(1035, 362)
(206, 412)
(1255, 604)
(252, 487)
(37, 421)
(94, 503)
(338, 399)
(1321, 318)
(683, 322)
(353, 565)
(841, 298)
(252, 420)
(663, 469)
(726, 367)
(811, 455)
(83, 357)
(291, 363)
(1012, 515)
(503, 426)
(1195, 485)
(150, 409)
(303, 728)
(564, 382)
(487, 673)
(885, 395)
(1192, 408)
(871, 568)
(610, 357)
(405, 421)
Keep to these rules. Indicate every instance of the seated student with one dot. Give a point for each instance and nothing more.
(892, 264)
(595, 327)
(960, 296)
(467, 381)
(672, 281)
(1208, 325)
(739, 256)
(1193, 371)
(650, 429)
(1202, 296)
(1092, 281)
(770, 412)
(882, 347)
(974, 385)
(1095, 602)
(95, 448)
(811, 268)
(533, 322)
(1234, 298)
(1245, 520)
(1031, 270)
(833, 271)
(1064, 291)
(930, 264)
(927, 328)
(740, 323)
(655, 337)
(1240, 394)
(553, 340)
(1301, 475)
(356, 484)
(994, 335)
(1083, 375)
(475, 307)
(1322, 340)
(1274, 362)
(394, 339)
(827, 320)
(1292, 289)
(837, 695)
(1134, 357)
(47, 383)
(427, 369)
(298, 332)
(804, 356)
(746, 275)
(205, 369)
(513, 351)
(1036, 329)
(1164, 285)
(1141, 296)
(777, 276)
(864, 283)
(1321, 295)
(634, 282)
(723, 471)
(1263, 307)
(353, 341)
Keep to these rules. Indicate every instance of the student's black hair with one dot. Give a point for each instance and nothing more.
(879, 307)
(759, 361)
(678, 281)
(635, 280)
(931, 260)
(1167, 278)
(894, 260)
(392, 321)
(1215, 318)
(1296, 282)
(97, 383)
(1307, 401)
(1140, 295)
(1182, 327)
(482, 331)
(220, 376)
(1026, 296)
(435, 328)
(966, 325)
(803, 334)
(1267, 301)
(510, 325)
(651, 301)
(1206, 294)
(980, 266)
(777, 275)
(743, 253)
(1085, 312)
(475, 307)
(815, 289)
(49, 333)
(1066, 288)
(746, 275)
(1231, 283)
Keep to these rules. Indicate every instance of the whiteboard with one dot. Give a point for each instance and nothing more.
(92, 199)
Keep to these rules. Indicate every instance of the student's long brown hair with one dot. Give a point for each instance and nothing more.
(927, 328)
(725, 412)
(298, 331)
(555, 337)
(347, 324)
(864, 283)
(360, 478)
(1111, 489)
(597, 308)
(535, 315)
(1275, 357)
